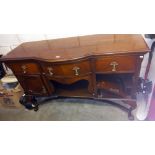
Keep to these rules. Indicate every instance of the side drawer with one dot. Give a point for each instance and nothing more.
(116, 64)
(24, 67)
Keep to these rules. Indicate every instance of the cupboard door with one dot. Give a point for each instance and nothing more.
(33, 85)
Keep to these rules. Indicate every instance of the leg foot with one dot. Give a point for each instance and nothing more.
(29, 102)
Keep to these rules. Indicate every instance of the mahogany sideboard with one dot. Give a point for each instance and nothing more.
(99, 67)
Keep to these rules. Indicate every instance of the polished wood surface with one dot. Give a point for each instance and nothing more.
(79, 47)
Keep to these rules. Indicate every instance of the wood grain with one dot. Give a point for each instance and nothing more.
(78, 47)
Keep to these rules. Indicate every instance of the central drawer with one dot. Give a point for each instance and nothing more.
(114, 64)
(74, 69)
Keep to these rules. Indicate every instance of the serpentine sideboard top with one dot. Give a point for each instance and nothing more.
(79, 47)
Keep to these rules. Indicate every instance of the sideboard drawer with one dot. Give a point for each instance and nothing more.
(24, 67)
(67, 70)
(116, 64)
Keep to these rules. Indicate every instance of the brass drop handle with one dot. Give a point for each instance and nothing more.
(76, 69)
(114, 64)
(50, 70)
(24, 68)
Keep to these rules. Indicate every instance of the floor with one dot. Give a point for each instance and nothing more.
(66, 110)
